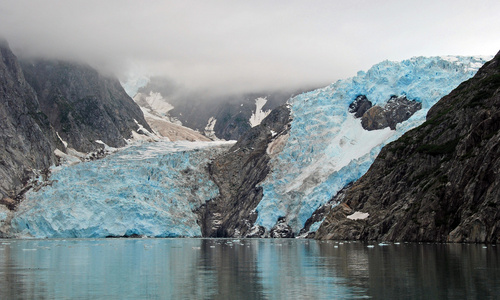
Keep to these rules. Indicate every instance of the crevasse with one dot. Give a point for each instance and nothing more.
(149, 189)
(327, 148)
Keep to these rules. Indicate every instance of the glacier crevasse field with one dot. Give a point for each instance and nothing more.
(149, 189)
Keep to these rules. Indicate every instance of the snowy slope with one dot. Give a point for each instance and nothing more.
(259, 115)
(327, 148)
(156, 113)
(150, 189)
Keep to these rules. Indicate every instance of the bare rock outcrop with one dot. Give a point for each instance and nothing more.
(237, 174)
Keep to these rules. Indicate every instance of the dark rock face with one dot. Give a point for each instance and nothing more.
(359, 106)
(397, 110)
(47, 98)
(440, 181)
(323, 211)
(281, 230)
(82, 105)
(26, 136)
(237, 174)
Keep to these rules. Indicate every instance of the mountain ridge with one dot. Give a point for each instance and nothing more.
(50, 109)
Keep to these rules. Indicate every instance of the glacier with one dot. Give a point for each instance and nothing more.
(150, 189)
(327, 147)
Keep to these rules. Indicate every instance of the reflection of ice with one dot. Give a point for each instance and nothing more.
(248, 269)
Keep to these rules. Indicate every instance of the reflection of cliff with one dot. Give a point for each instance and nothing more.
(431, 271)
(244, 269)
(233, 269)
(11, 280)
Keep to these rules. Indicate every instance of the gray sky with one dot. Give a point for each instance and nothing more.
(242, 46)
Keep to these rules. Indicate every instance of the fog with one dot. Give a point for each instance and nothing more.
(222, 47)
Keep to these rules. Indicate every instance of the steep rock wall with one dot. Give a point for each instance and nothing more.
(82, 105)
(26, 136)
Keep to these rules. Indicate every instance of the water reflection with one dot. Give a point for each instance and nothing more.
(244, 269)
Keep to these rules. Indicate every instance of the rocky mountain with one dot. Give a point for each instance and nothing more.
(237, 173)
(26, 135)
(271, 183)
(327, 146)
(218, 117)
(82, 105)
(276, 176)
(438, 182)
(54, 107)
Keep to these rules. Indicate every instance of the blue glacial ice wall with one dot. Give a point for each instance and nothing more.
(327, 148)
(149, 189)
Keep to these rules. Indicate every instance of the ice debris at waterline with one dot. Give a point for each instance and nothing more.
(149, 190)
(327, 147)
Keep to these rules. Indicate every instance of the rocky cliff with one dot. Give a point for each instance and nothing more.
(237, 173)
(438, 182)
(82, 105)
(49, 105)
(26, 136)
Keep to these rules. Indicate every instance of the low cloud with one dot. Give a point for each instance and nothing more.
(236, 46)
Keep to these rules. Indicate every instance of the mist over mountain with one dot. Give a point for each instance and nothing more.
(55, 110)
(223, 116)
(230, 47)
(271, 183)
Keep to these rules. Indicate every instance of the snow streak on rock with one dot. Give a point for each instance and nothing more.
(327, 148)
(259, 115)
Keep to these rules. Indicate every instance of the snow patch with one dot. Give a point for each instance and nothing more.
(259, 114)
(209, 129)
(358, 216)
(66, 158)
(62, 141)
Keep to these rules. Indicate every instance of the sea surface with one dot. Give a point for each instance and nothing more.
(245, 269)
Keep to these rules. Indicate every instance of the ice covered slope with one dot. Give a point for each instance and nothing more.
(149, 190)
(327, 148)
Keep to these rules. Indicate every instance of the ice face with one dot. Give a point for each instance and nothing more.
(327, 148)
(150, 189)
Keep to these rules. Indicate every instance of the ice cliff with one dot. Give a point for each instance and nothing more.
(328, 148)
(149, 189)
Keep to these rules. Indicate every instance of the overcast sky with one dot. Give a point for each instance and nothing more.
(248, 45)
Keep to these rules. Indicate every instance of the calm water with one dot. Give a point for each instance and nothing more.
(244, 269)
